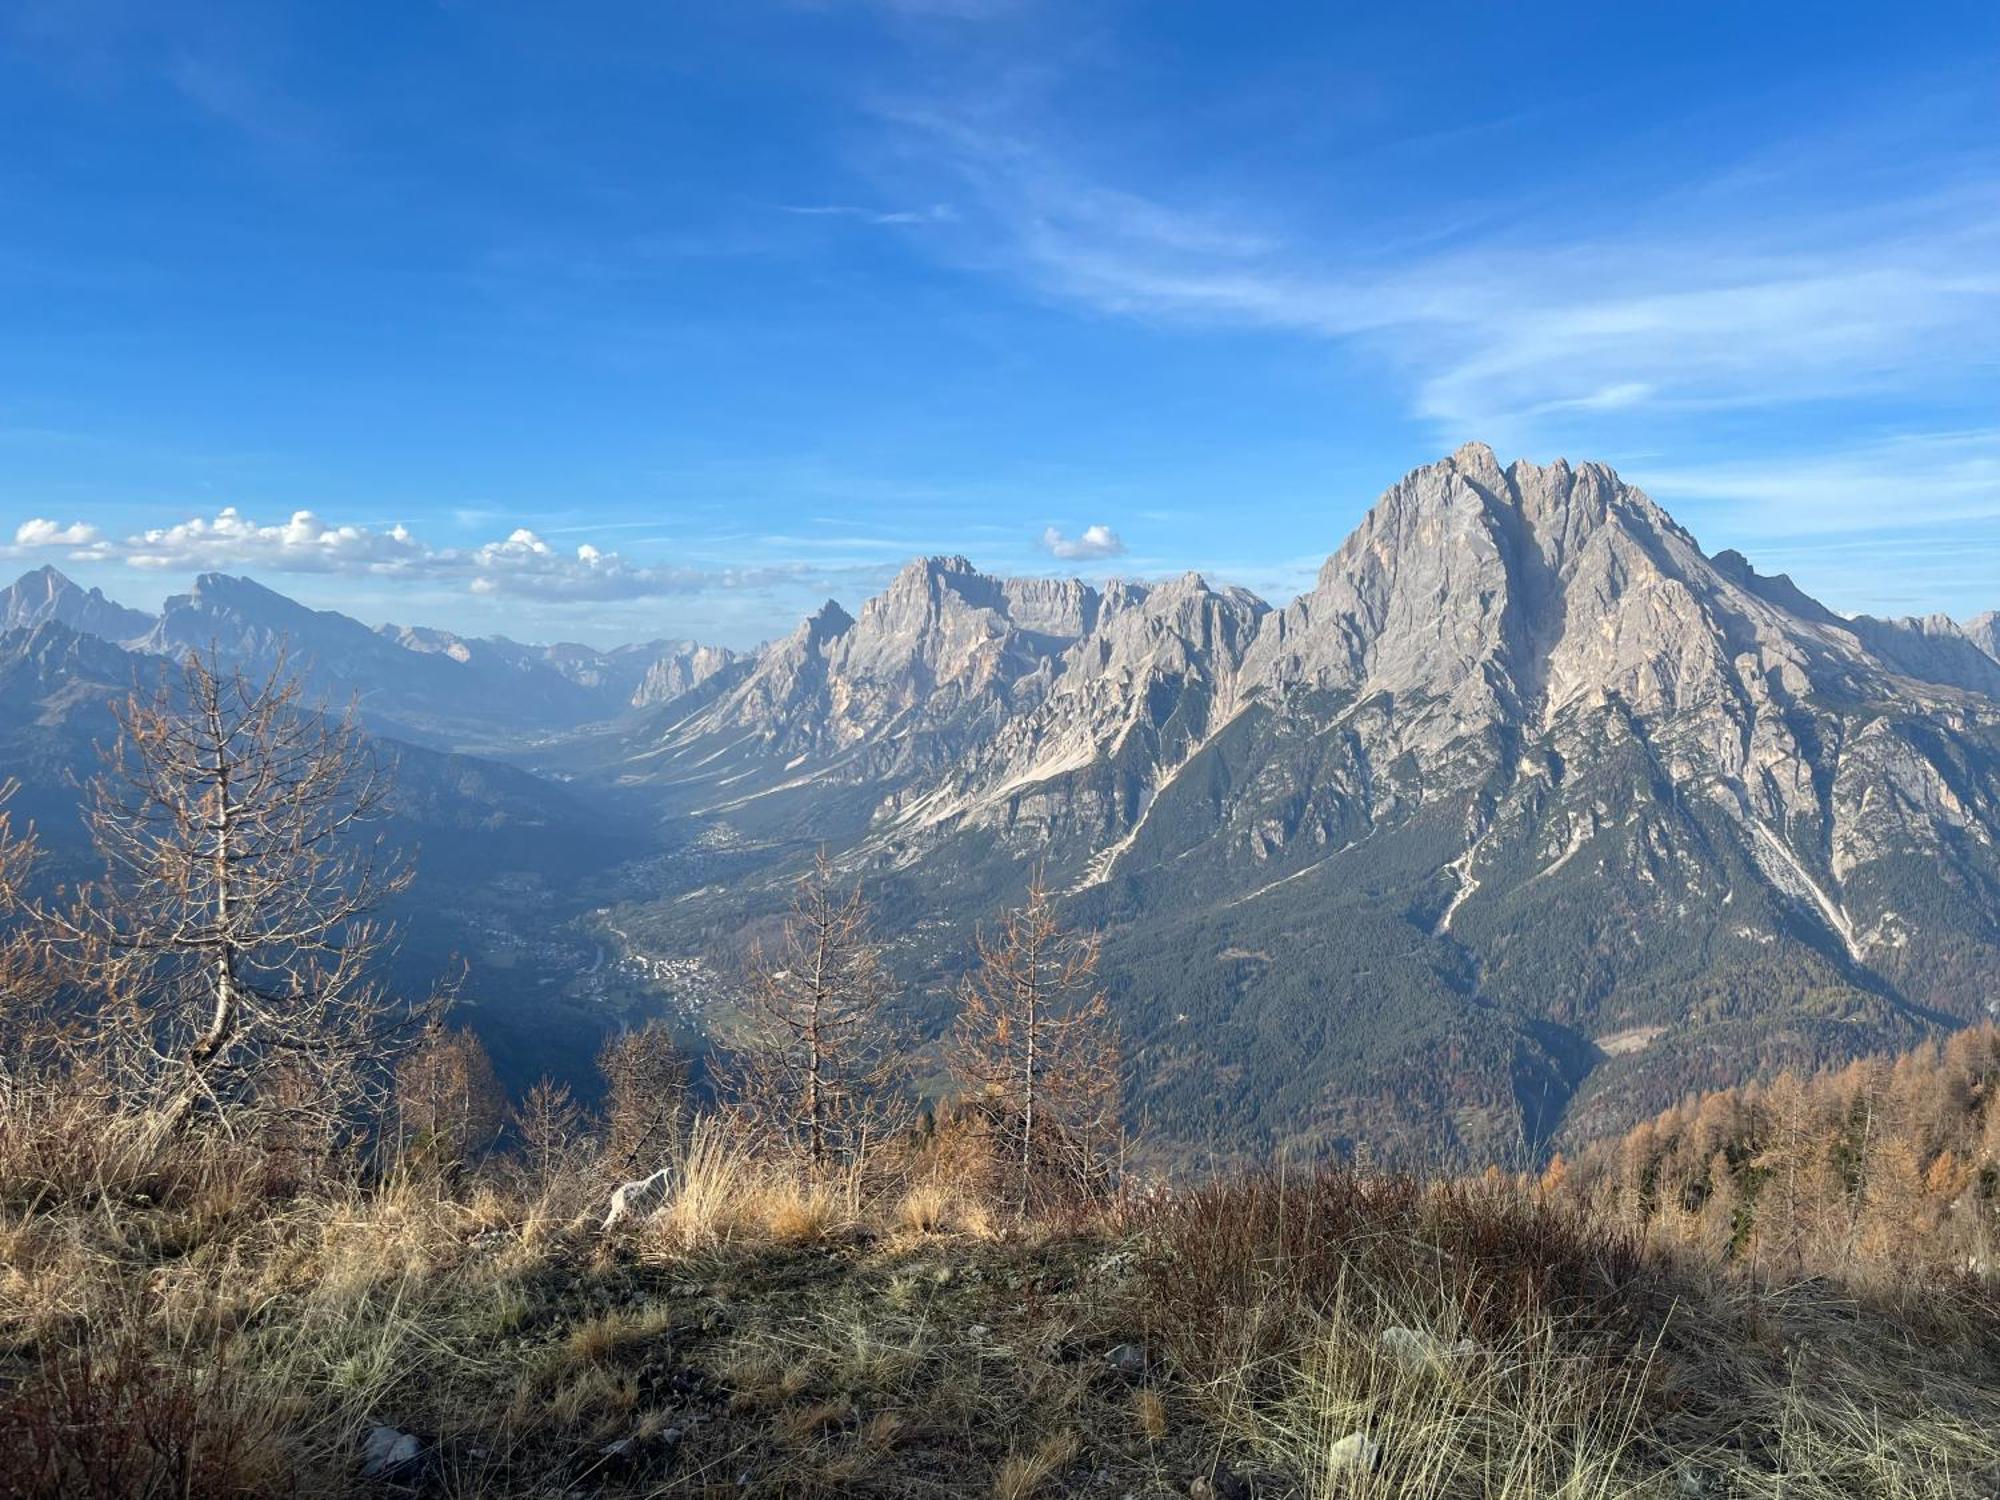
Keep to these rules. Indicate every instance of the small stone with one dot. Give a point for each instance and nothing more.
(1129, 1361)
(1201, 1489)
(389, 1454)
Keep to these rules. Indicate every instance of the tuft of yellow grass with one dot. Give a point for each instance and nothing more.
(598, 1339)
(803, 1424)
(884, 1431)
(797, 1212)
(716, 1178)
(1149, 1414)
(595, 1398)
(1022, 1475)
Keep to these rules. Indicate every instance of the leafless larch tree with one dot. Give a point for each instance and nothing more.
(645, 1098)
(29, 1032)
(449, 1104)
(818, 1054)
(230, 939)
(1034, 1042)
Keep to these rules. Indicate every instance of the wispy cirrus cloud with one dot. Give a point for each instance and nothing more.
(1936, 478)
(1706, 299)
(1092, 542)
(936, 213)
(1895, 525)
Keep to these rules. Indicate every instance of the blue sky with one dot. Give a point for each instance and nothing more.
(750, 301)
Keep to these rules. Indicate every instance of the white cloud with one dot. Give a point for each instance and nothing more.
(526, 565)
(521, 565)
(1095, 541)
(304, 544)
(37, 533)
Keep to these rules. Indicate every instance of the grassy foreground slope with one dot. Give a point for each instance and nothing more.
(207, 1329)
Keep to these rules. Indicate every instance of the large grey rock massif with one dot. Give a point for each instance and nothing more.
(1526, 818)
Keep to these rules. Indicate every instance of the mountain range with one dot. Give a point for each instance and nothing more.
(424, 685)
(1528, 817)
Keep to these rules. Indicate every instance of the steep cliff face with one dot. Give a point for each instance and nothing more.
(929, 671)
(680, 668)
(1984, 632)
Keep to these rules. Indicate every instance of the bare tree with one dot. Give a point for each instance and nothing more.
(550, 1128)
(818, 1054)
(231, 932)
(1034, 1039)
(449, 1103)
(27, 1028)
(645, 1097)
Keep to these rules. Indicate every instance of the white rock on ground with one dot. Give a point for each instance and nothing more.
(1355, 1451)
(641, 1199)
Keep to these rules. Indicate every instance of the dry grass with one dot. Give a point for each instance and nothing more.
(1025, 1475)
(1149, 1414)
(936, 1206)
(715, 1177)
(1375, 1338)
(195, 1326)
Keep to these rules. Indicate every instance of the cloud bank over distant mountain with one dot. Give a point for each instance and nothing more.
(522, 564)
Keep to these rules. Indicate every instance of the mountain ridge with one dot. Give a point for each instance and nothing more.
(428, 685)
(1526, 817)
(1522, 729)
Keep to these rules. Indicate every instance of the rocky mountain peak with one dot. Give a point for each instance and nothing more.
(1773, 588)
(46, 594)
(428, 641)
(825, 623)
(1475, 459)
(936, 579)
(244, 599)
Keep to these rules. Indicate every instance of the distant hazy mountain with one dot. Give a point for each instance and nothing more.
(425, 685)
(1984, 632)
(45, 595)
(580, 682)
(1528, 815)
